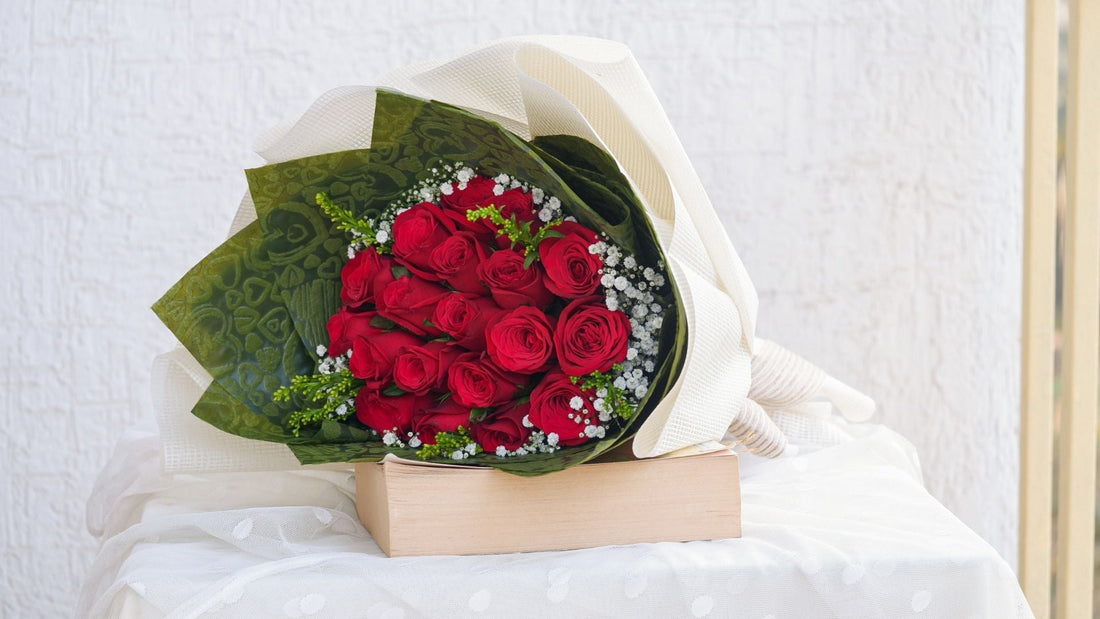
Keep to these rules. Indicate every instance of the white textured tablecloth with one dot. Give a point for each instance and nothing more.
(842, 531)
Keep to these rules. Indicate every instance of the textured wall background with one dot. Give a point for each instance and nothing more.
(864, 156)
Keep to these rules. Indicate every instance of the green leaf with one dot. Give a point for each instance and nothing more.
(552, 234)
(381, 322)
(393, 391)
(530, 259)
(399, 271)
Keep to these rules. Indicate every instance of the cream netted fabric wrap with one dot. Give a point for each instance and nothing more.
(780, 380)
(593, 89)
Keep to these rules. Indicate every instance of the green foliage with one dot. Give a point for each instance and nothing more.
(447, 443)
(615, 401)
(519, 232)
(327, 391)
(345, 220)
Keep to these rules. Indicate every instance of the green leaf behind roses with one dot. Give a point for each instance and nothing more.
(606, 197)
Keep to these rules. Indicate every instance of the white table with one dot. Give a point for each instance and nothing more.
(843, 531)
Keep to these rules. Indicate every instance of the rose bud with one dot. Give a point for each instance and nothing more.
(589, 337)
(389, 413)
(363, 276)
(521, 341)
(571, 271)
(511, 284)
(475, 381)
(418, 231)
(445, 417)
(456, 261)
(502, 428)
(553, 409)
(463, 316)
(345, 326)
(410, 302)
(420, 369)
(373, 356)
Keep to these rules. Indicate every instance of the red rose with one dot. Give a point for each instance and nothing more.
(388, 414)
(363, 276)
(345, 326)
(445, 417)
(589, 337)
(515, 202)
(373, 356)
(475, 381)
(456, 260)
(552, 410)
(521, 341)
(502, 428)
(420, 369)
(463, 316)
(511, 284)
(571, 271)
(410, 302)
(478, 191)
(418, 231)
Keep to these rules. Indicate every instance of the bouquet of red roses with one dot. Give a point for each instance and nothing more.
(453, 293)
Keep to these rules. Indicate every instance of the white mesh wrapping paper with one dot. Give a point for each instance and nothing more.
(190, 445)
(813, 424)
(546, 85)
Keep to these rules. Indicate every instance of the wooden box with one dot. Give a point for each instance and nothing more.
(413, 508)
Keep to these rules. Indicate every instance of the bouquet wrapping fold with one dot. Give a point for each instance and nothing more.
(536, 88)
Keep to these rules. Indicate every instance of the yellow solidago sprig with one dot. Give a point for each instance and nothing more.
(361, 230)
(519, 232)
(457, 445)
(611, 396)
(332, 391)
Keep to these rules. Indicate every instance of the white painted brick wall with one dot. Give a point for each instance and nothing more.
(864, 155)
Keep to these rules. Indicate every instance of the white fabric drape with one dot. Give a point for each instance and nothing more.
(840, 531)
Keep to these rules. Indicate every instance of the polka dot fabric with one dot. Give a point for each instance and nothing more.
(839, 531)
